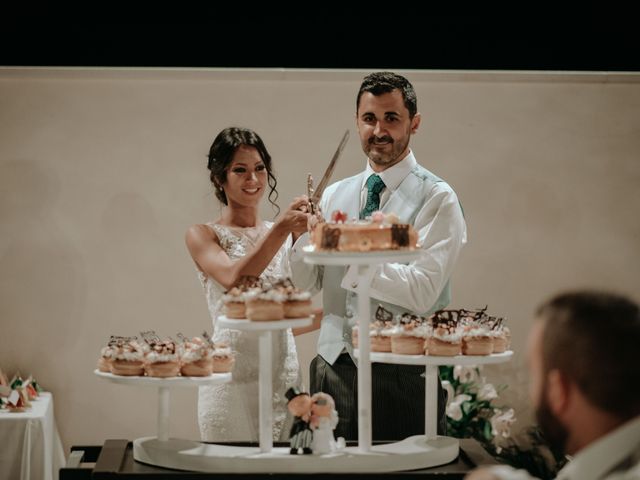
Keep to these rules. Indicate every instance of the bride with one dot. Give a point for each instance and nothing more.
(240, 244)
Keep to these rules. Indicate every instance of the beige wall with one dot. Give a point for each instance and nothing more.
(102, 171)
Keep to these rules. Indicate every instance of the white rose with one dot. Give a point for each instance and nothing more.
(454, 409)
(446, 384)
(501, 423)
(487, 392)
(465, 374)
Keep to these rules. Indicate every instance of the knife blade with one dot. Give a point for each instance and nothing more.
(317, 194)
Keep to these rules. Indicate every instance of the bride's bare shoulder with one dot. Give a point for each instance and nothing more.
(199, 234)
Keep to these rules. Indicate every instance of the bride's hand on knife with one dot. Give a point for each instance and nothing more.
(299, 208)
(294, 219)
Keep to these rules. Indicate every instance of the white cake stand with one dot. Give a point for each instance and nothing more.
(164, 385)
(426, 450)
(265, 385)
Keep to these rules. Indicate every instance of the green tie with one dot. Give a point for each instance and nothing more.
(374, 187)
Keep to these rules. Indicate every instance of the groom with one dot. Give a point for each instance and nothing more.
(393, 181)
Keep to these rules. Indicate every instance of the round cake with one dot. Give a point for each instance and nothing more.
(378, 232)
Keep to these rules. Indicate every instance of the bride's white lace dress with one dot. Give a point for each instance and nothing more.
(229, 412)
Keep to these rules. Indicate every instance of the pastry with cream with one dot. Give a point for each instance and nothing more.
(128, 357)
(297, 303)
(266, 304)
(409, 335)
(196, 357)
(446, 336)
(234, 299)
(223, 358)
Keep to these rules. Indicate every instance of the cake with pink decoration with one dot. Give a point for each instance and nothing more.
(379, 232)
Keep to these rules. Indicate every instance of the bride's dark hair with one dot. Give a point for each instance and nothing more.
(221, 155)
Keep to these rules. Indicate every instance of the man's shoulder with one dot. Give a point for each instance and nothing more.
(420, 177)
(425, 175)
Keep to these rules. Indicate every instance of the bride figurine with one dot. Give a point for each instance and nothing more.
(324, 420)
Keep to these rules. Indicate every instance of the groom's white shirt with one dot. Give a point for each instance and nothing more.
(416, 196)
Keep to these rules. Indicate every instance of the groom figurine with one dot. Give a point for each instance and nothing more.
(393, 182)
(301, 435)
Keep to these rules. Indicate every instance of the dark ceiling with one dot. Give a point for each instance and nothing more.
(593, 40)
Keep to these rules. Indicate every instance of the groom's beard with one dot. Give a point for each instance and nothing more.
(385, 159)
(554, 432)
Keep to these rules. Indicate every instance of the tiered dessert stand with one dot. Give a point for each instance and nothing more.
(418, 451)
(415, 452)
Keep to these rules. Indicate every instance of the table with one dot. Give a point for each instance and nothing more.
(114, 461)
(30, 445)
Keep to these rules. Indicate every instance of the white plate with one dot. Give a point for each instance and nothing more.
(359, 258)
(244, 324)
(382, 357)
(166, 382)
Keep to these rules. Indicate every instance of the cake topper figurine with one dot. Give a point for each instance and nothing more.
(310, 191)
(301, 435)
(324, 420)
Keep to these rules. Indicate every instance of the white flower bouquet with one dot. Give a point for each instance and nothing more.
(472, 407)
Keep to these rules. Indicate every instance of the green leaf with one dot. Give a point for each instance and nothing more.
(487, 431)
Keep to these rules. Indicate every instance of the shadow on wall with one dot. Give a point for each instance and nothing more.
(42, 277)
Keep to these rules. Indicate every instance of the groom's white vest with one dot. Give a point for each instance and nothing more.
(339, 305)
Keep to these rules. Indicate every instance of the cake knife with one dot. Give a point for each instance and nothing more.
(317, 193)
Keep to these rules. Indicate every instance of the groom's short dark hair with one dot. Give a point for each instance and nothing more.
(378, 83)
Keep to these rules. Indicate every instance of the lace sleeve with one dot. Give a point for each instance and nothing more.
(229, 242)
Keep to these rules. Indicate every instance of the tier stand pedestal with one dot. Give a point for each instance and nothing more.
(265, 390)
(163, 413)
(364, 363)
(365, 273)
(412, 453)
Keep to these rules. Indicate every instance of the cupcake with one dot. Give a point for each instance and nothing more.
(234, 306)
(379, 336)
(446, 337)
(223, 358)
(444, 342)
(379, 331)
(501, 336)
(266, 304)
(476, 339)
(162, 359)
(106, 355)
(297, 303)
(234, 299)
(195, 357)
(127, 358)
(409, 335)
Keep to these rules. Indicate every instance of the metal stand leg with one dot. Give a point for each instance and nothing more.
(364, 365)
(163, 413)
(265, 388)
(431, 402)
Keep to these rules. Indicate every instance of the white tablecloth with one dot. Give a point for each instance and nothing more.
(30, 447)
